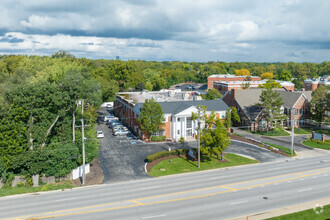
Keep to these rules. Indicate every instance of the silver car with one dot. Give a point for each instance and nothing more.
(121, 132)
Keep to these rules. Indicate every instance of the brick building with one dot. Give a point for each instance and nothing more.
(228, 77)
(296, 106)
(312, 84)
(177, 112)
(224, 86)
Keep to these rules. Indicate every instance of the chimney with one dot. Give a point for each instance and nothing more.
(233, 91)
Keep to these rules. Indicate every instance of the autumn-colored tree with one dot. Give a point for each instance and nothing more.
(242, 72)
(267, 75)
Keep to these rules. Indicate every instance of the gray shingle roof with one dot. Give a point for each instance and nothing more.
(179, 106)
(249, 97)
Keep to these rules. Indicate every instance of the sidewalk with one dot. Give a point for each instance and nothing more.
(286, 210)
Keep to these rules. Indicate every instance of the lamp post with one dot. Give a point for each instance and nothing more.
(292, 130)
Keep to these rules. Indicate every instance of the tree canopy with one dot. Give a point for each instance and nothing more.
(320, 103)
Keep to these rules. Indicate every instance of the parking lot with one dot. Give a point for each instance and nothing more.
(121, 158)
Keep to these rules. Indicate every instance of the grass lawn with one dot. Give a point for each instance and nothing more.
(309, 131)
(272, 133)
(182, 165)
(307, 214)
(7, 191)
(287, 150)
(317, 144)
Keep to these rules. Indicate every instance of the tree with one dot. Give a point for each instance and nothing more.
(242, 72)
(151, 117)
(231, 116)
(320, 103)
(214, 137)
(285, 75)
(271, 103)
(212, 94)
(267, 75)
(271, 84)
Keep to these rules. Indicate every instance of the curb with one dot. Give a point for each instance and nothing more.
(285, 210)
(145, 167)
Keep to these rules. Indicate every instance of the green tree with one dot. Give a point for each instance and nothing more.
(151, 117)
(214, 136)
(285, 75)
(271, 103)
(320, 103)
(270, 84)
(212, 94)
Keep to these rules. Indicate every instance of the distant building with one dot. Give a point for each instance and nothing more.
(224, 86)
(177, 107)
(312, 84)
(228, 77)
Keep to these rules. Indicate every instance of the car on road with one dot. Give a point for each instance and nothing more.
(121, 132)
(112, 124)
(99, 134)
(111, 120)
(107, 117)
(109, 105)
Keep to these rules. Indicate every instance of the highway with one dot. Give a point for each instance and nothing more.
(214, 194)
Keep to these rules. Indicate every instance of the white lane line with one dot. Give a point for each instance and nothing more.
(314, 177)
(60, 200)
(277, 168)
(235, 203)
(303, 190)
(154, 216)
(275, 184)
(301, 179)
(218, 177)
(149, 187)
(289, 181)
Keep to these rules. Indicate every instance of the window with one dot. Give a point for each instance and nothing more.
(285, 111)
(160, 132)
(301, 111)
(189, 122)
(263, 124)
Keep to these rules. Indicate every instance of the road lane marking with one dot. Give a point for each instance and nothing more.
(154, 216)
(303, 190)
(214, 178)
(235, 203)
(277, 168)
(150, 187)
(60, 200)
(129, 203)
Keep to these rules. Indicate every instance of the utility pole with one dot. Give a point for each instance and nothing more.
(199, 137)
(292, 131)
(83, 142)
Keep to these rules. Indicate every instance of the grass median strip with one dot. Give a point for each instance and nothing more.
(317, 144)
(183, 165)
(286, 150)
(316, 213)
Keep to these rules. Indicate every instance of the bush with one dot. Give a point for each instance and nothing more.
(158, 138)
(155, 156)
(181, 139)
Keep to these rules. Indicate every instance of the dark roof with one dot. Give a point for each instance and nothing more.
(178, 106)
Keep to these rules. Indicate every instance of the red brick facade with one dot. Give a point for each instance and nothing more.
(215, 78)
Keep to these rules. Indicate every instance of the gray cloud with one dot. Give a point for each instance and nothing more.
(197, 30)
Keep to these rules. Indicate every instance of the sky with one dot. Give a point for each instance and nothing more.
(168, 30)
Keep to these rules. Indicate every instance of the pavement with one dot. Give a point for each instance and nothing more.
(227, 193)
(301, 150)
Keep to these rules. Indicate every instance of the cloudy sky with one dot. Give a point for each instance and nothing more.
(186, 30)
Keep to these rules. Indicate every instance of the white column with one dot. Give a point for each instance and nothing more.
(184, 128)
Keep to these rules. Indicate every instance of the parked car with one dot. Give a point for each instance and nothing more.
(111, 120)
(114, 123)
(107, 117)
(115, 128)
(109, 105)
(121, 132)
(99, 134)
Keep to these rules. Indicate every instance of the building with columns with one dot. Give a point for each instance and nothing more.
(177, 112)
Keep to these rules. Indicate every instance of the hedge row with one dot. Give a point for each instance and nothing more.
(155, 156)
(158, 138)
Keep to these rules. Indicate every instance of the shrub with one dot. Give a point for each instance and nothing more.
(158, 138)
(155, 156)
(181, 139)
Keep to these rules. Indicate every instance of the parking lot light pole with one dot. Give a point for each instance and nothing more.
(199, 138)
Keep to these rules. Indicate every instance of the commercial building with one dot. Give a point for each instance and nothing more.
(228, 77)
(177, 107)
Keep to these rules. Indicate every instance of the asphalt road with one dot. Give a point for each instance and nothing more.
(216, 194)
(124, 160)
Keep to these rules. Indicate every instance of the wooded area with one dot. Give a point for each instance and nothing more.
(39, 95)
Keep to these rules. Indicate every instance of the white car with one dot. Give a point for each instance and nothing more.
(99, 134)
(109, 105)
(121, 132)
